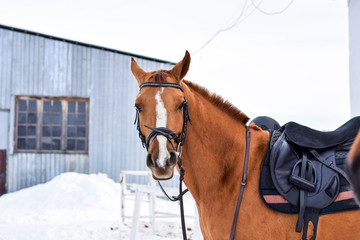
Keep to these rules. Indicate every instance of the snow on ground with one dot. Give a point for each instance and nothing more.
(79, 206)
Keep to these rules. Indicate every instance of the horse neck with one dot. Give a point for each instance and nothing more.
(214, 149)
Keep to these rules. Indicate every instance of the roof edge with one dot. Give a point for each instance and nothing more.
(83, 44)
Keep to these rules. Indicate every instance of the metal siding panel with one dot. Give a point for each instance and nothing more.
(106, 134)
(47, 66)
(74, 70)
(10, 172)
(80, 68)
(11, 124)
(39, 74)
(6, 40)
(96, 115)
(118, 127)
(28, 169)
(15, 64)
(110, 107)
(52, 169)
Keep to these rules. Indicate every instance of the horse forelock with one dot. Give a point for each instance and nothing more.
(160, 76)
(218, 101)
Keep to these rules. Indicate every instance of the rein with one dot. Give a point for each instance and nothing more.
(169, 135)
(243, 183)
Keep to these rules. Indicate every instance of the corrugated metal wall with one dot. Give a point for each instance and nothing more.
(32, 65)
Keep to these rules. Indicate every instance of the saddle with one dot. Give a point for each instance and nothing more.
(302, 172)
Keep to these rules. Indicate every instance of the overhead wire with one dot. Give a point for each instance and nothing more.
(239, 20)
(223, 29)
(271, 13)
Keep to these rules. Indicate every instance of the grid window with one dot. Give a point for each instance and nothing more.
(76, 126)
(27, 124)
(51, 125)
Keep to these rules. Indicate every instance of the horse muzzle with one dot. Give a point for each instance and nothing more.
(161, 169)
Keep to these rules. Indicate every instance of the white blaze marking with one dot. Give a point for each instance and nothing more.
(161, 119)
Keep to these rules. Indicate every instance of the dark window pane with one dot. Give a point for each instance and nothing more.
(56, 144)
(31, 144)
(22, 118)
(56, 118)
(80, 145)
(71, 119)
(56, 131)
(47, 106)
(21, 143)
(22, 105)
(32, 105)
(81, 107)
(71, 132)
(81, 132)
(46, 132)
(45, 146)
(71, 106)
(70, 144)
(81, 119)
(31, 131)
(32, 118)
(47, 118)
(21, 131)
(57, 106)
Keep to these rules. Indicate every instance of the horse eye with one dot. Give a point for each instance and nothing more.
(138, 108)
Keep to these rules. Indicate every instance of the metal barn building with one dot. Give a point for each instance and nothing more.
(65, 106)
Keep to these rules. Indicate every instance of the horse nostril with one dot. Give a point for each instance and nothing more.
(172, 159)
(149, 161)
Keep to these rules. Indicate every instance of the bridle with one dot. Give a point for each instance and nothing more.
(169, 135)
(179, 140)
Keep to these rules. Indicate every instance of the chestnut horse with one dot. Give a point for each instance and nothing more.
(213, 158)
(353, 167)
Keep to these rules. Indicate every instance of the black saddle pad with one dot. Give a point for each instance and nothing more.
(274, 200)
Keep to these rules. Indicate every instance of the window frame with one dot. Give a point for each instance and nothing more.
(64, 101)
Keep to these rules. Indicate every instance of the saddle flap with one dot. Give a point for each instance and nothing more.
(321, 183)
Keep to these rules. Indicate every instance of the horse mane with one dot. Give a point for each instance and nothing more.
(218, 101)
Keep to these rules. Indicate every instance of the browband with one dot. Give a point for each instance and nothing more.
(150, 84)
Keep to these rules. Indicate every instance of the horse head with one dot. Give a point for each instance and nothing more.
(161, 115)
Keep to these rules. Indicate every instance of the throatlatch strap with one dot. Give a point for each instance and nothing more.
(243, 183)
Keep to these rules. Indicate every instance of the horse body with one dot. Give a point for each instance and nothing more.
(213, 159)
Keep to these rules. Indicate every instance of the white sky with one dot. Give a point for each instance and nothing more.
(291, 66)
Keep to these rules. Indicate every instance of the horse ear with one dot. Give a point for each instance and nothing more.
(180, 69)
(137, 71)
